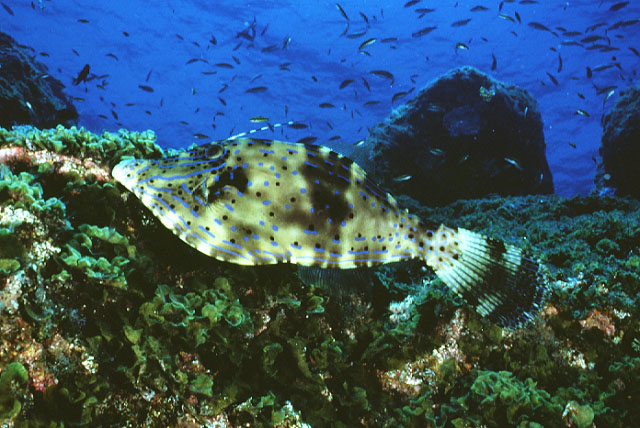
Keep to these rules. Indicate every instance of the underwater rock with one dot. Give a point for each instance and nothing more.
(620, 148)
(28, 94)
(465, 135)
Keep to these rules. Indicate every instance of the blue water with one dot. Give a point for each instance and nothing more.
(164, 36)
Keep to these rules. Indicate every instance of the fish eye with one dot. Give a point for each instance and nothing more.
(213, 151)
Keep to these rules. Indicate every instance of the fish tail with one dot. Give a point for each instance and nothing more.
(497, 278)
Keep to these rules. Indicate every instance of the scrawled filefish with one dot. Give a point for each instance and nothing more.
(257, 202)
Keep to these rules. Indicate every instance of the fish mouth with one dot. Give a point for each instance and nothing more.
(123, 172)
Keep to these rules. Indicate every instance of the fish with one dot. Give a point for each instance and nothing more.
(423, 32)
(582, 113)
(146, 88)
(82, 75)
(345, 83)
(257, 202)
(342, 12)
(383, 73)
(259, 119)
(478, 8)
(618, 6)
(326, 105)
(494, 62)
(553, 79)
(7, 8)
(461, 22)
(256, 89)
(366, 43)
(401, 178)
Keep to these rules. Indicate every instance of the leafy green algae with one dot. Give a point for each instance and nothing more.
(176, 336)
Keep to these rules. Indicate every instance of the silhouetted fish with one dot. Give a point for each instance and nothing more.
(258, 202)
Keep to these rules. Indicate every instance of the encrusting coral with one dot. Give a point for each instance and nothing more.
(106, 319)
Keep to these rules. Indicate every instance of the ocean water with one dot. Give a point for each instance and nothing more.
(201, 58)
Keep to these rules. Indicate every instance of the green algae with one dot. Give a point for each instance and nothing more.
(260, 347)
(13, 387)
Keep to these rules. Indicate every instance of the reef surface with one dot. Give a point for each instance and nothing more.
(107, 319)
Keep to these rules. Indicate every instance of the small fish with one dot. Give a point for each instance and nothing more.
(298, 125)
(191, 61)
(82, 75)
(342, 12)
(494, 62)
(366, 84)
(389, 40)
(200, 136)
(358, 143)
(461, 23)
(572, 144)
(423, 32)
(582, 113)
(112, 56)
(146, 88)
(559, 63)
(411, 3)
(83, 21)
(345, 83)
(262, 202)
(437, 152)
(256, 89)
(461, 46)
(223, 65)
(553, 79)
(539, 26)
(326, 105)
(514, 163)
(366, 43)
(383, 73)
(286, 42)
(124, 33)
(307, 140)
(398, 95)
(506, 17)
(618, 6)
(581, 96)
(517, 15)
(479, 8)
(259, 119)
(7, 8)
(148, 76)
(635, 51)
(213, 40)
(402, 178)
(372, 103)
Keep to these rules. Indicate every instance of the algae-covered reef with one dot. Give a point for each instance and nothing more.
(107, 319)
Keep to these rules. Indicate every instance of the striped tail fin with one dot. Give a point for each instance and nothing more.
(497, 278)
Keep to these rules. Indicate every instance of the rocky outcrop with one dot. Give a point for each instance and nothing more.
(465, 135)
(620, 149)
(28, 94)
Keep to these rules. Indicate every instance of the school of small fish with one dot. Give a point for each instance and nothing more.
(366, 32)
(256, 202)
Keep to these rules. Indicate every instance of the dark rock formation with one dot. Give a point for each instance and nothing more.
(28, 95)
(464, 135)
(620, 148)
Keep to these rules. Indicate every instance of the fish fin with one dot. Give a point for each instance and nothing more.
(497, 278)
(336, 278)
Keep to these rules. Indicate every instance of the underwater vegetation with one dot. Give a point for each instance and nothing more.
(107, 319)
